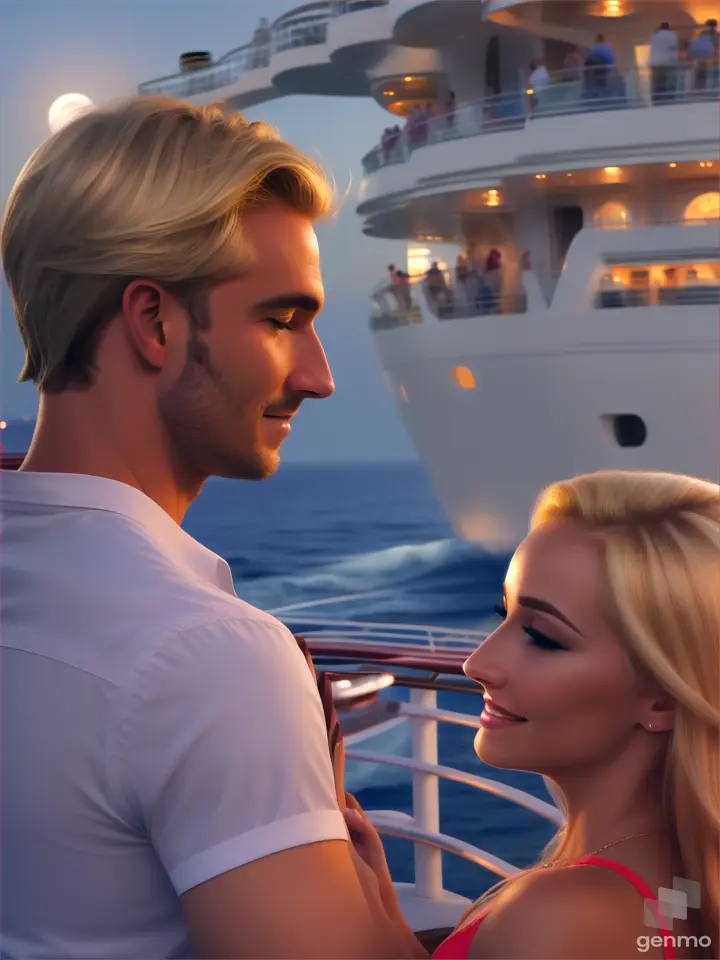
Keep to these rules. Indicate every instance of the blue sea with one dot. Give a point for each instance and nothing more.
(314, 532)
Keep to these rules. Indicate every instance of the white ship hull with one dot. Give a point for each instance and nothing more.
(546, 387)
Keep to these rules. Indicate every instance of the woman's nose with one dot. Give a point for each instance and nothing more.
(484, 664)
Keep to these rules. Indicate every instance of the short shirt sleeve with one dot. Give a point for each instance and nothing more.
(222, 751)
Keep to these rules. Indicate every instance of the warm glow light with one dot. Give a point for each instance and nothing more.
(612, 170)
(704, 207)
(612, 214)
(672, 165)
(610, 8)
(418, 261)
(389, 93)
(530, 91)
(66, 109)
(493, 198)
(407, 79)
(3, 425)
(464, 378)
(541, 176)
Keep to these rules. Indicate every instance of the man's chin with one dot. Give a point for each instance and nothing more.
(259, 466)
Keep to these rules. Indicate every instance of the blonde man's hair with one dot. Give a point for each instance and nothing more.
(661, 544)
(148, 188)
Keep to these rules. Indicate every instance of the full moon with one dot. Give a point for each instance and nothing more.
(66, 109)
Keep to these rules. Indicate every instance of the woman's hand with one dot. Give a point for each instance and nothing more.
(369, 848)
(371, 865)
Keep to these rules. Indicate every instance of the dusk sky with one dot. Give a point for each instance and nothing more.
(104, 49)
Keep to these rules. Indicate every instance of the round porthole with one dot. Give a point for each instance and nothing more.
(627, 429)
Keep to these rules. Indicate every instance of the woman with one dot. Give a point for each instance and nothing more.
(603, 677)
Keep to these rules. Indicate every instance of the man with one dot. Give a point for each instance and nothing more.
(664, 59)
(167, 789)
(703, 53)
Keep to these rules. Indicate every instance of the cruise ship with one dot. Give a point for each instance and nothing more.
(575, 179)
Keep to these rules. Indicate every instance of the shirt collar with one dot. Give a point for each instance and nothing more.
(84, 492)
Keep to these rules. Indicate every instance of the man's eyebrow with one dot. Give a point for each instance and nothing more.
(289, 301)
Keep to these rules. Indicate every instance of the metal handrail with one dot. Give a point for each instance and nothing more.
(591, 90)
(395, 628)
(519, 797)
(445, 843)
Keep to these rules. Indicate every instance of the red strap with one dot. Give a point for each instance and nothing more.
(457, 945)
(642, 888)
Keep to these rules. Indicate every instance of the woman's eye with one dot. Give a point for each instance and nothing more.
(542, 641)
(500, 611)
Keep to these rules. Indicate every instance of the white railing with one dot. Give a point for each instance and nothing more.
(305, 27)
(338, 8)
(225, 72)
(424, 636)
(423, 827)
(448, 297)
(586, 90)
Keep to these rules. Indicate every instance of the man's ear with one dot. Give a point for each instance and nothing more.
(145, 309)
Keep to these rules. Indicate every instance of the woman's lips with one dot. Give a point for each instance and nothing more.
(494, 716)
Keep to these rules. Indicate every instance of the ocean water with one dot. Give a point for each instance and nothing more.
(312, 533)
(377, 531)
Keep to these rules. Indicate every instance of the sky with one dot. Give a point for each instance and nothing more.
(104, 49)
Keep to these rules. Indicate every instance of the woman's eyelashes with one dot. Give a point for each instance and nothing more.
(536, 637)
(542, 641)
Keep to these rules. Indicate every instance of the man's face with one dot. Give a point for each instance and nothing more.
(252, 356)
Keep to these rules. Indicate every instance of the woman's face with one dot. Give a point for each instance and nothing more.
(556, 662)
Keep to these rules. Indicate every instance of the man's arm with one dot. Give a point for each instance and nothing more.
(221, 752)
(307, 902)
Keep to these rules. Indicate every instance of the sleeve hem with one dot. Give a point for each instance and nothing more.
(271, 838)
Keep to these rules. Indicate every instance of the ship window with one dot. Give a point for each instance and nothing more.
(660, 284)
(627, 429)
(464, 378)
(704, 207)
(613, 214)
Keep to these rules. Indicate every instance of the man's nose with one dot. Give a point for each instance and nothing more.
(312, 375)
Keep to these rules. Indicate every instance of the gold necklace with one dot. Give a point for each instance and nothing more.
(630, 836)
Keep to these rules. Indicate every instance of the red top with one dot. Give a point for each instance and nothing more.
(457, 945)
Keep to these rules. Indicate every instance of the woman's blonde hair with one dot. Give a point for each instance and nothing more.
(661, 538)
(146, 188)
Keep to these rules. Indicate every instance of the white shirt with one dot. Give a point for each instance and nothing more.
(664, 50)
(156, 730)
(539, 78)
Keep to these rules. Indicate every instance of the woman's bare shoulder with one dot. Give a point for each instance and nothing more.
(563, 914)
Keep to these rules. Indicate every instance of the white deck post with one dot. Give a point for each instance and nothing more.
(426, 798)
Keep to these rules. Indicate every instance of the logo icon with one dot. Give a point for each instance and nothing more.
(672, 903)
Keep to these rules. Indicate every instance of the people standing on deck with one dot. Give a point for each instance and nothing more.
(603, 678)
(573, 65)
(664, 63)
(493, 281)
(450, 107)
(437, 288)
(167, 788)
(703, 53)
(538, 80)
(600, 70)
